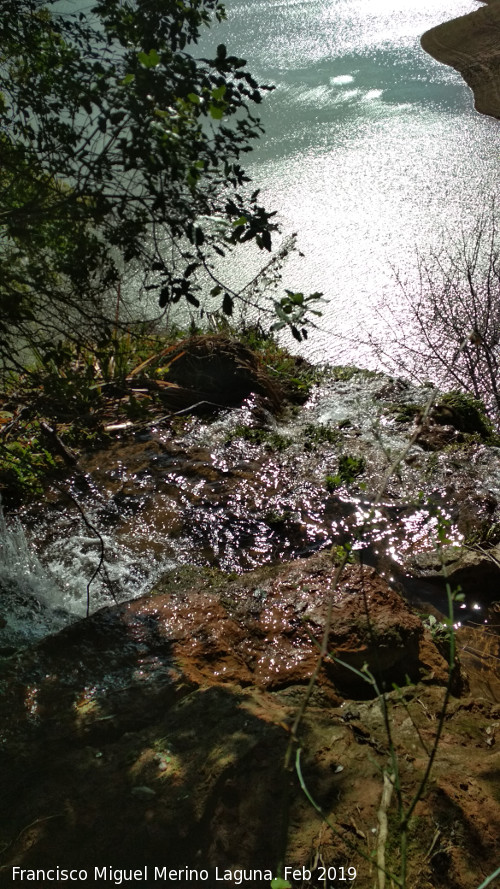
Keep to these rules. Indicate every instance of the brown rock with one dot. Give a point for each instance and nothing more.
(471, 45)
(154, 734)
(479, 652)
(475, 570)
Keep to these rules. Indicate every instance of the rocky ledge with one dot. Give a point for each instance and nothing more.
(154, 734)
(471, 45)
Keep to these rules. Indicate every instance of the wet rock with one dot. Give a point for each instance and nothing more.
(155, 733)
(207, 627)
(269, 640)
(472, 511)
(474, 569)
(437, 437)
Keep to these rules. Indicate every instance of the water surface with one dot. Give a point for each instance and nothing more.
(372, 150)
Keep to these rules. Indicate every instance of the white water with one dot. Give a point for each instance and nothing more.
(30, 594)
(42, 593)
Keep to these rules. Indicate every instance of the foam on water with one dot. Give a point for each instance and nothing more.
(32, 602)
(341, 79)
(42, 594)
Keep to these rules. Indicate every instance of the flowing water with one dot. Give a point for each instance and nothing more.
(203, 493)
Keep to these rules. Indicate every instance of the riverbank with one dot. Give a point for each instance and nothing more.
(156, 735)
(471, 45)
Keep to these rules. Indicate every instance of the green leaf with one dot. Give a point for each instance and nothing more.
(216, 113)
(116, 117)
(127, 79)
(149, 60)
(278, 883)
(219, 93)
(190, 269)
(164, 297)
(194, 98)
(266, 240)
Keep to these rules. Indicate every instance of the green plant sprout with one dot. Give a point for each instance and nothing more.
(350, 468)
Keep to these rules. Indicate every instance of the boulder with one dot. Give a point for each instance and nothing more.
(212, 369)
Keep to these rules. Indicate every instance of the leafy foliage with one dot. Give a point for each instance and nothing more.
(349, 469)
(292, 311)
(23, 465)
(439, 631)
(119, 145)
(76, 398)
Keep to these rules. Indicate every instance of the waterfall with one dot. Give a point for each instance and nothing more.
(40, 595)
(31, 606)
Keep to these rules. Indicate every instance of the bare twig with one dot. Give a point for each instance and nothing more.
(383, 827)
(99, 536)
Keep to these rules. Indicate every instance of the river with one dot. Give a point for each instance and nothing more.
(373, 150)
(373, 153)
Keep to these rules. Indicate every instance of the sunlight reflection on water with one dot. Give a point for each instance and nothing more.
(372, 149)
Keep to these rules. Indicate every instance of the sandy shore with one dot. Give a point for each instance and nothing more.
(471, 45)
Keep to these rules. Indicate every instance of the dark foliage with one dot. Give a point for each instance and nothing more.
(118, 145)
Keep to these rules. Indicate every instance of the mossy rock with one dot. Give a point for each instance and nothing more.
(322, 433)
(406, 413)
(220, 369)
(463, 412)
(342, 373)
